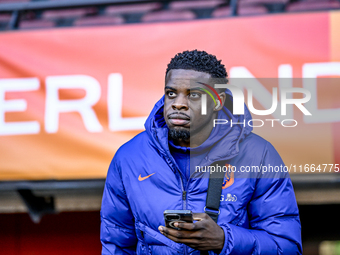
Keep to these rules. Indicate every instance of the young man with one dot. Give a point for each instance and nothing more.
(153, 172)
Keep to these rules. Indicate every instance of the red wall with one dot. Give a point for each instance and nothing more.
(65, 233)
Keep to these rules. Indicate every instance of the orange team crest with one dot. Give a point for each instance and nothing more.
(228, 177)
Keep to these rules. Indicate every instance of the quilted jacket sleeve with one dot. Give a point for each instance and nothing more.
(117, 231)
(274, 217)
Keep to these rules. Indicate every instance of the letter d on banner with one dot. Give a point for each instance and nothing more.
(310, 73)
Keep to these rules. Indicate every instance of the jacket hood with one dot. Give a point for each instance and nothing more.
(223, 142)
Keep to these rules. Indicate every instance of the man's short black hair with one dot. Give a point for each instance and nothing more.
(199, 61)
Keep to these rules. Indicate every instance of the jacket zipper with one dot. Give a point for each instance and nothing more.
(184, 198)
(184, 203)
(184, 193)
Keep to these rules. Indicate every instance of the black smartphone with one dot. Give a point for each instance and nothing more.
(172, 216)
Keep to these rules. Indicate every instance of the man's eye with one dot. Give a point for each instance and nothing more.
(195, 95)
(171, 94)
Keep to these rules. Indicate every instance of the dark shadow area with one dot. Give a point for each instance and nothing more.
(319, 223)
(64, 233)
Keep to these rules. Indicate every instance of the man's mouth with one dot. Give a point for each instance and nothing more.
(178, 119)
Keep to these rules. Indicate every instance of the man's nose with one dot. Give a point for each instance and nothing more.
(180, 103)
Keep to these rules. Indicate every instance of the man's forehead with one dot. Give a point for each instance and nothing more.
(186, 77)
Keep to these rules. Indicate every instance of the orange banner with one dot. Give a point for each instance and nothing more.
(69, 98)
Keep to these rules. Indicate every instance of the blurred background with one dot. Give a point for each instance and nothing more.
(78, 79)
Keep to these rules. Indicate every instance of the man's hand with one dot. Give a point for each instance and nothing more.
(202, 235)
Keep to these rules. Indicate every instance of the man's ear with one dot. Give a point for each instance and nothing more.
(219, 106)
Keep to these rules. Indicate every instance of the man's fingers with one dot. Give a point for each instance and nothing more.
(180, 234)
(187, 226)
(169, 231)
(174, 232)
(190, 226)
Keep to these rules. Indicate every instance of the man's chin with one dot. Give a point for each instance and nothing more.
(179, 133)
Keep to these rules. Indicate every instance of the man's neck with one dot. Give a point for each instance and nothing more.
(182, 143)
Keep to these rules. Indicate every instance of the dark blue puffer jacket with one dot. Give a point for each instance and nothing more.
(258, 212)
